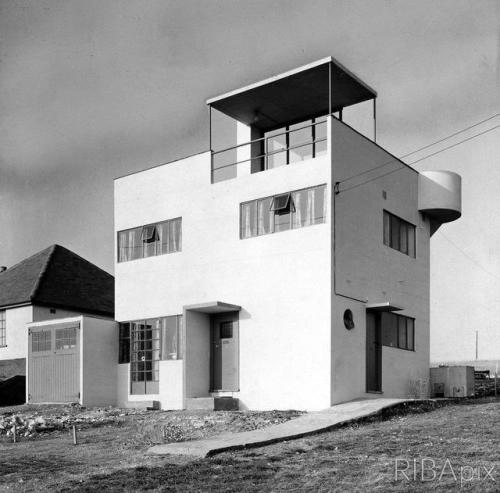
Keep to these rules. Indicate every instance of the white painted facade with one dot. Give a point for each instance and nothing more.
(291, 287)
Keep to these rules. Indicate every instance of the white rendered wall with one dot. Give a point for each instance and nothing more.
(171, 389)
(197, 354)
(99, 361)
(281, 281)
(171, 384)
(17, 333)
(367, 269)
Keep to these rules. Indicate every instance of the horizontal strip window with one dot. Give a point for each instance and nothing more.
(398, 331)
(150, 240)
(282, 212)
(165, 345)
(399, 234)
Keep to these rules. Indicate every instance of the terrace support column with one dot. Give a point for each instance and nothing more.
(249, 156)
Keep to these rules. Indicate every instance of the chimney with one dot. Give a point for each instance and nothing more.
(3, 268)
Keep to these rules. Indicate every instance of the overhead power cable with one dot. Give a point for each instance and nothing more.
(404, 166)
(468, 256)
(425, 147)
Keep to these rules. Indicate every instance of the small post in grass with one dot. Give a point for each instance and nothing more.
(14, 433)
(75, 438)
(496, 376)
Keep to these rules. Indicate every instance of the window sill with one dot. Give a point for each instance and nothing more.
(374, 392)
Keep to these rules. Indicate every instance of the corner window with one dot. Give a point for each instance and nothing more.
(398, 331)
(399, 234)
(150, 240)
(143, 344)
(3, 329)
(293, 143)
(291, 210)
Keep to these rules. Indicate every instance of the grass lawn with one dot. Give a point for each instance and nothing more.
(358, 457)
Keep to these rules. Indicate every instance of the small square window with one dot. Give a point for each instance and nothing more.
(226, 330)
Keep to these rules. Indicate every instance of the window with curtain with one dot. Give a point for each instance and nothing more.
(165, 334)
(399, 234)
(291, 210)
(150, 240)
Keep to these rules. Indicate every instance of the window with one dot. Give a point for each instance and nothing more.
(226, 330)
(171, 334)
(124, 343)
(398, 331)
(143, 344)
(66, 338)
(3, 329)
(298, 142)
(150, 240)
(290, 210)
(145, 357)
(399, 234)
(41, 341)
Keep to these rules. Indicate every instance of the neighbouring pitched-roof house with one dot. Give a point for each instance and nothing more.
(52, 284)
(288, 271)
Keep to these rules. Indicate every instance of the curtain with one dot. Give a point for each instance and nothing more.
(248, 216)
(265, 219)
(162, 229)
(175, 235)
(130, 246)
(311, 202)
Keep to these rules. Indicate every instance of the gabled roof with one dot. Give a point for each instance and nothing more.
(60, 278)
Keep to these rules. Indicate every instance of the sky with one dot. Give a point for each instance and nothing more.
(92, 90)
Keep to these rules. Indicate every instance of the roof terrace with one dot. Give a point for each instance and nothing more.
(283, 118)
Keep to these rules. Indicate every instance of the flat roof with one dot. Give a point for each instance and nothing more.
(295, 95)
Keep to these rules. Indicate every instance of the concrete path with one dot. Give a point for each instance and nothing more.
(308, 424)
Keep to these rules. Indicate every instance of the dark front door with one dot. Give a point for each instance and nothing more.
(373, 353)
(224, 354)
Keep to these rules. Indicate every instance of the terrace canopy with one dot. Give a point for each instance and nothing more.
(319, 88)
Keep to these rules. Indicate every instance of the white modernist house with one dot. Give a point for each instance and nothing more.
(288, 271)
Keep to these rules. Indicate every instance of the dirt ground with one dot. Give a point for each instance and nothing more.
(357, 457)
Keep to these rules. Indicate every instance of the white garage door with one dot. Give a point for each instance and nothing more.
(54, 363)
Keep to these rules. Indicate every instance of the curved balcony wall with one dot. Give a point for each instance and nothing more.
(440, 196)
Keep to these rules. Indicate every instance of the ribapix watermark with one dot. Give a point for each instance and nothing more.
(429, 469)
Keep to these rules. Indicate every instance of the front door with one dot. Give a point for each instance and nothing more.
(224, 354)
(373, 353)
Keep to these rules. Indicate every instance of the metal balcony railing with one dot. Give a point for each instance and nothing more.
(279, 148)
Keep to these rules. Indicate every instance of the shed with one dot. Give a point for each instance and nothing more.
(72, 360)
